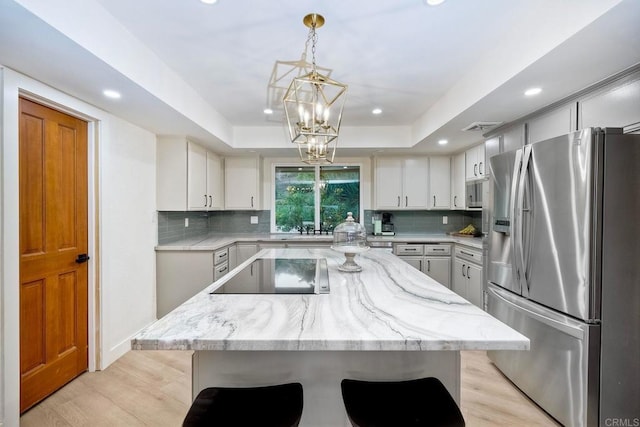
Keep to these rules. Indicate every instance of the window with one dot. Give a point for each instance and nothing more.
(314, 198)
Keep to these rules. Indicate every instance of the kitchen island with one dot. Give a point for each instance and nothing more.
(387, 322)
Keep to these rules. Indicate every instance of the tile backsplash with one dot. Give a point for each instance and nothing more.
(171, 225)
(427, 221)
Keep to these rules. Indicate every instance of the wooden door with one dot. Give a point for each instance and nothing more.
(53, 240)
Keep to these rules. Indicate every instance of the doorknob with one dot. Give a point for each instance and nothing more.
(82, 258)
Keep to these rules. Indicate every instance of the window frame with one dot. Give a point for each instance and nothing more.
(316, 198)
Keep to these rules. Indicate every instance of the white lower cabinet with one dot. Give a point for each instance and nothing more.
(434, 260)
(467, 274)
(438, 268)
(247, 279)
(179, 276)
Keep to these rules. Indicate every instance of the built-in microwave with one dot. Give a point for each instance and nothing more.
(474, 194)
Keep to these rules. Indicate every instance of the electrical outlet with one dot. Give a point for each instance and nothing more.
(254, 219)
(186, 222)
(445, 220)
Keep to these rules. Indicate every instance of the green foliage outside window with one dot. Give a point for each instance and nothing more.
(339, 190)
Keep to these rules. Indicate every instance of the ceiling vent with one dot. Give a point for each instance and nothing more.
(481, 126)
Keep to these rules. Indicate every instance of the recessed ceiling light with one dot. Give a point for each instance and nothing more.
(532, 91)
(376, 111)
(268, 111)
(111, 94)
(443, 142)
(209, 1)
(433, 2)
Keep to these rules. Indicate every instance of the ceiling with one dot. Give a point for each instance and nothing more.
(187, 68)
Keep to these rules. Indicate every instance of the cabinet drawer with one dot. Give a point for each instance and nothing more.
(220, 256)
(435, 250)
(407, 249)
(220, 270)
(469, 254)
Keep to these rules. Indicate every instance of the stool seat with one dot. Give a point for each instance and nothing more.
(421, 402)
(270, 406)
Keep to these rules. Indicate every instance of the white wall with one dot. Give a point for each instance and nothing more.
(128, 234)
(122, 210)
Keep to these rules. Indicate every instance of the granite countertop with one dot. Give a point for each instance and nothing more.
(214, 241)
(387, 306)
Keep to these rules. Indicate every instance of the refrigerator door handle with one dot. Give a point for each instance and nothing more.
(574, 330)
(512, 210)
(519, 212)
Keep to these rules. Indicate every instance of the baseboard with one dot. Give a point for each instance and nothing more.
(118, 350)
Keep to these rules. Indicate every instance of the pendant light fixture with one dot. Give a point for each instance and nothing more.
(313, 106)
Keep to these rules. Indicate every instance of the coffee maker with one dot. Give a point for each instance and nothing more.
(387, 225)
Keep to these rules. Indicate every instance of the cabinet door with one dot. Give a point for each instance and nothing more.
(181, 275)
(471, 164)
(555, 123)
(460, 278)
(413, 261)
(415, 181)
(388, 176)
(439, 182)
(242, 175)
(618, 107)
(474, 284)
(196, 178)
(215, 182)
(171, 174)
(439, 269)
(247, 279)
(458, 179)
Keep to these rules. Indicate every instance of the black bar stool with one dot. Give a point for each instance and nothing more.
(271, 406)
(421, 402)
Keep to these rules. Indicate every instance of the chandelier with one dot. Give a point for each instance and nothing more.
(313, 106)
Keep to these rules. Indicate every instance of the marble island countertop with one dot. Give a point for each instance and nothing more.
(214, 241)
(387, 306)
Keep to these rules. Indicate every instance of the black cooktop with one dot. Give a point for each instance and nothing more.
(279, 276)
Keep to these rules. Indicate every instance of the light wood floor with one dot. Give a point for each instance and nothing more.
(152, 388)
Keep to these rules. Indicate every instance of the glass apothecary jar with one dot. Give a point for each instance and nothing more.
(350, 238)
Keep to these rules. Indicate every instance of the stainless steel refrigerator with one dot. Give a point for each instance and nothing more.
(564, 270)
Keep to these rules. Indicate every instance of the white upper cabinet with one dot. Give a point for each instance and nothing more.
(558, 122)
(458, 181)
(242, 183)
(475, 163)
(439, 183)
(196, 177)
(617, 107)
(401, 183)
(215, 181)
(189, 177)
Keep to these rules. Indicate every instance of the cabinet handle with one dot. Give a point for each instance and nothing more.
(467, 253)
(251, 201)
(434, 201)
(222, 270)
(455, 201)
(480, 168)
(429, 265)
(475, 169)
(420, 261)
(463, 266)
(437, 249)
(210, 201)
(410, 249)
(205, 200)
(468, 277)
(406, 201)
(398, 201)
